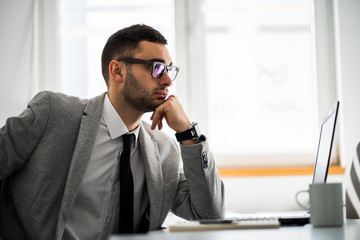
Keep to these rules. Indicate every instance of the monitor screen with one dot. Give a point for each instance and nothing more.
(325, 144)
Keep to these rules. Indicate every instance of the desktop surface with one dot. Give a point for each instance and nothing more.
(350, 231)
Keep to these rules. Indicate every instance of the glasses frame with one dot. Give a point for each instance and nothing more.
(153, 63)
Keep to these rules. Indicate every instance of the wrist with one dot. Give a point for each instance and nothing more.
(183, 127)
(191, 135)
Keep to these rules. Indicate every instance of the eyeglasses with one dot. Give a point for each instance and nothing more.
(158, 68)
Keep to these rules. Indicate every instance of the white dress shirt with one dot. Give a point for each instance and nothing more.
(95, 213)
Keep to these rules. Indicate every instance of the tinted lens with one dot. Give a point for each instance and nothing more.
(172, 71)
(158, 70)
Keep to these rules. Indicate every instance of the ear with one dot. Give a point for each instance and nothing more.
(117, 71)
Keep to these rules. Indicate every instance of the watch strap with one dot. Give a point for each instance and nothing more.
(192, 133)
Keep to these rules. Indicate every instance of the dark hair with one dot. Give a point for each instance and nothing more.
(124, 42)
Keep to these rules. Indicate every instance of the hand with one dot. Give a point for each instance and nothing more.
(173, 113)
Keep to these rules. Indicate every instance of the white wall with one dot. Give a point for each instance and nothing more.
(267, 194)
(29, 53)
(347, 32)
(16, 58)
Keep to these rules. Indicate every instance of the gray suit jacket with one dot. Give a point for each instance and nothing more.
(44, 153)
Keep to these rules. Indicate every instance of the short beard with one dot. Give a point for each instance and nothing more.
(136, 95)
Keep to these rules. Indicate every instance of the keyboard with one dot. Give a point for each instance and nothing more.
(226, 224)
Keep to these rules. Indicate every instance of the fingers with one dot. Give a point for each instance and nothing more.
(160, 125)
(156, 118)
(162, 112)
(173, 113)
(159, 113)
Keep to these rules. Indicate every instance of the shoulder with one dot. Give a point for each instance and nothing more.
(57, 108)
(57, 102)
(55, 98)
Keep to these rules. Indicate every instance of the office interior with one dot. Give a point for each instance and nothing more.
(30, 62)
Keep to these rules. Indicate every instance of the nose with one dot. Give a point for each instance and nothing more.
(165, 80)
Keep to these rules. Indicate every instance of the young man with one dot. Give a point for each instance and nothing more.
(61, 160)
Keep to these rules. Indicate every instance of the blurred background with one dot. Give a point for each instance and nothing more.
(257, 75)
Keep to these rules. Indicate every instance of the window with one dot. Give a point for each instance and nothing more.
(85, 26)
(260, 86)
(247, 69)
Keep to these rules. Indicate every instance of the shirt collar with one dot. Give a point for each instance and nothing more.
(113, 121)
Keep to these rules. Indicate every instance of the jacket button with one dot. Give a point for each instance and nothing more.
(205, 160)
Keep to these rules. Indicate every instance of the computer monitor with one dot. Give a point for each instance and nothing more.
(326, 139)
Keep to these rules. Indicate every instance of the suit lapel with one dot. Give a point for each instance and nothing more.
(153, 175)
(82, 153)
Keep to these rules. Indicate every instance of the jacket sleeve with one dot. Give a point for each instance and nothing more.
(200, 192)
(20, 135)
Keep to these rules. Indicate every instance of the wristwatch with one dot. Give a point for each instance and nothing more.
(192, 133)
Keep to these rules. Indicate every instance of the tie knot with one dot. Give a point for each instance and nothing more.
(127, 140)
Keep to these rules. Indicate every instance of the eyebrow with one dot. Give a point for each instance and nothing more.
(160, 60)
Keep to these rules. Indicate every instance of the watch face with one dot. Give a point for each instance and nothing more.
(197, 130)
(192, 133)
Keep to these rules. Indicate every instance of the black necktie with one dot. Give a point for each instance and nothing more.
(126, 217)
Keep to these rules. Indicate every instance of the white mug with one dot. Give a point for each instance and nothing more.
(326, 204)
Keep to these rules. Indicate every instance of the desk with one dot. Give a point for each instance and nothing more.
(350, 231)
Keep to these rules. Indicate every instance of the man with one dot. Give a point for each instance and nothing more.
(61, 159)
